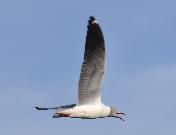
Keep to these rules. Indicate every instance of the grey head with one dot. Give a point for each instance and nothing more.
(116, 114)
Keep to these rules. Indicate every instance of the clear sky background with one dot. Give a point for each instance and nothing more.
(41, 51)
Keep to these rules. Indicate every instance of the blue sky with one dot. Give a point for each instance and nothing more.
(41, 51)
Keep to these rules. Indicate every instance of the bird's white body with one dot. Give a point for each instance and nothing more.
(87, 111)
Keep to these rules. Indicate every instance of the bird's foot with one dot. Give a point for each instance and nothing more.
(58, 115)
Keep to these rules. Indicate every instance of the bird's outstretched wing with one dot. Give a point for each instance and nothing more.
(56, 108)
(93, 65)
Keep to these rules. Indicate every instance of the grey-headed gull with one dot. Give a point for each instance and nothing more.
(89, 105)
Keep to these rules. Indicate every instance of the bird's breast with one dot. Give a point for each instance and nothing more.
(90, 111)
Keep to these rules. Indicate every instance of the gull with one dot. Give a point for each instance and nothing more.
(89, 105)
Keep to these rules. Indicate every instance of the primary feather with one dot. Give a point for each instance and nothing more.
(93, 65)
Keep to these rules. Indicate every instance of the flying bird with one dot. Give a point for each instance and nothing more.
(89, 105)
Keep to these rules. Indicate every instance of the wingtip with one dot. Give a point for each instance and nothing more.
(92, 20)
(39, 108)
(36, 107)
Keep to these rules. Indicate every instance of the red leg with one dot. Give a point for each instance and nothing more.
(63, 115)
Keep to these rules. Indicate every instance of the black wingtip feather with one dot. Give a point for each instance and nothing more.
(39, 108)
(91, 19)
